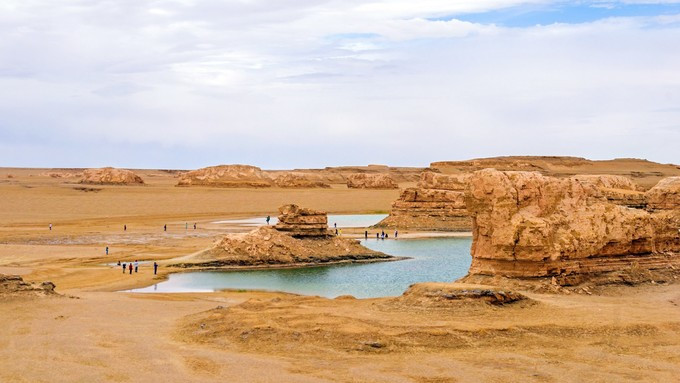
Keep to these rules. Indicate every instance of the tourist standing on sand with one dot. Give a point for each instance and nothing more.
(124, 267)
(186, 225)
(165, 227)
(136, 266)
(396, 233)
(124, 227)
(155, 268)
(194, 225)
(377, 236)
(268, 218)
(366, 234)
(50, 227)
(107, 252)
(340, 231)
(130, 268)
(335, 224)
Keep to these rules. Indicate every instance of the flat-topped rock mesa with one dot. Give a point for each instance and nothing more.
(236, 176)
(645, 173)
(300, 222)
(300, 238)
(298, 180)
(110, 176)
(339, 175)
(530, 226)
(665, 195)
(371, 181)
(14, 286)
(436, 204)
(617, 189)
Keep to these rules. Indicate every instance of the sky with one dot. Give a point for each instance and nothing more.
(286, 84)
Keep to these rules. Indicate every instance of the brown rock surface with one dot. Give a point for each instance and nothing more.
(665, 195)
(237, 176)
(299, 180)
(15, 286)
(110, 176)
(645, 173)
(303, 222)
(267, 246)
(617, 189)
(437, 203)
(371, 181)
(526, 225)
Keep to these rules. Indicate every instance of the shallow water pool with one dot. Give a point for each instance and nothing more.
(433, 260)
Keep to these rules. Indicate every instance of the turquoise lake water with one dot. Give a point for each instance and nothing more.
(433, 260)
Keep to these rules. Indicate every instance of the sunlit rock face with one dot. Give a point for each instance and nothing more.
(111, 176)
(526, 225)
(371, 181)
(436, 204)
(236, 176)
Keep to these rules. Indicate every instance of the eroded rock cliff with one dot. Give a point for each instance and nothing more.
(299, 180)
(300, 238)
(436, 204)
(237, 176)
(526, 225)
(110, 176)
(371, 181)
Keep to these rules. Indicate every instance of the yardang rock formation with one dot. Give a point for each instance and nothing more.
(530, 226)
(371, 181)
(235, 176)
(300, 238)
(436, 204)
(111, 176)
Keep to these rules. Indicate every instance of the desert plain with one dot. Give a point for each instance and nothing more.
(91, 330)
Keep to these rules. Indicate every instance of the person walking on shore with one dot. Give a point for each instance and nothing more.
(107, 252)
(124, 267)
(396, 233)
(130, 268)
(155, 268)
(377, 235)
(50, 227)
(124, 227)
(268, 218)
(366, 234)
(136, 266)
(165, 227)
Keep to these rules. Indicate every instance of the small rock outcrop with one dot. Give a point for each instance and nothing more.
(15, 286)
(443, 294)
(300, 238)
(616, 189)
(526, 225)
(110, 176)
(665, 195)
(235, 176)
(301, 222)
(436, 204)
(371, 181)
(299, 180)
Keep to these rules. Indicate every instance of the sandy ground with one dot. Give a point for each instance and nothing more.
(94, 334)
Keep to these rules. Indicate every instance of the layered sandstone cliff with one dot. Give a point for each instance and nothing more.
(526, 225)
(110, 176)
(236, 176)
(300, 238)
(299, 180)
(371, 181)
(14, 286)
(436, 204)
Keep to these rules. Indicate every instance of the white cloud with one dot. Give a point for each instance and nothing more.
(345, 81)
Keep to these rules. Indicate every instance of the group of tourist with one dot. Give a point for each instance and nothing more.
(134, 266)
(382, 234)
